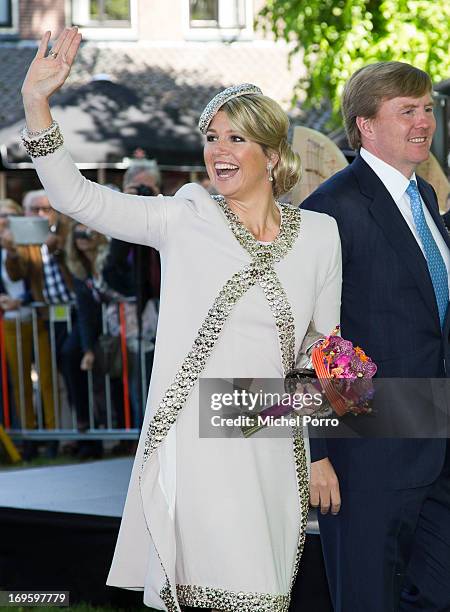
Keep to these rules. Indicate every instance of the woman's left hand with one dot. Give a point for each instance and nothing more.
(324, 490)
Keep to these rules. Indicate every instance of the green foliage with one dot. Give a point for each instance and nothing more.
(116, 10)
(336, 37)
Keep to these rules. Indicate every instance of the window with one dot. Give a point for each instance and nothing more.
(5, 14)
(9, 18)
(101, 13)
(106, 19)
(204, 13)
(217, 14)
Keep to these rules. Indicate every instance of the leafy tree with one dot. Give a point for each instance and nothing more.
(336, 37)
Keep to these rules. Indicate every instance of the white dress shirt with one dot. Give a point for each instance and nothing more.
(396, 183)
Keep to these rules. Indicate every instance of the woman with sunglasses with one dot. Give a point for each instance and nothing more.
(86, 251)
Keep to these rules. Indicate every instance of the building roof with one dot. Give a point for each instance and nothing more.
(123, 96)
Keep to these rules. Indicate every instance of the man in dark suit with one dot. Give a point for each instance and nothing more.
(387, 547)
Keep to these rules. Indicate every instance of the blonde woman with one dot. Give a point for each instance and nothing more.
(209, 523)
(86, 251)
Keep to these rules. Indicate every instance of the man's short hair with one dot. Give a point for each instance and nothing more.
(370, 85)
(149, 166)
(30, 196)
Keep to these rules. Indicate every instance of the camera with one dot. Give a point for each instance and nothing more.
(143, 190)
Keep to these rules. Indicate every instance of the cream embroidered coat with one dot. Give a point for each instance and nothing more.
(215, 522)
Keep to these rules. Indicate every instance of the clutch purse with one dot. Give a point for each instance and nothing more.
(304, 371)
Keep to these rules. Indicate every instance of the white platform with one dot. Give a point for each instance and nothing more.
(97, 488)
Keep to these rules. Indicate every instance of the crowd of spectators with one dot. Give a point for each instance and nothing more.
(71, 285)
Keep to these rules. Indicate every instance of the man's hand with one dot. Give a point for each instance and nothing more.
(324, 487)
(54, 243)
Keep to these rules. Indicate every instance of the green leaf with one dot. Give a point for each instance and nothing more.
(336, 37)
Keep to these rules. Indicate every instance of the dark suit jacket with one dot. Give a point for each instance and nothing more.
(89, 319)
(2, 286)
(389, 309)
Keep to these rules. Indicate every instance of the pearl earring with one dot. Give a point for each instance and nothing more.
(269, 170)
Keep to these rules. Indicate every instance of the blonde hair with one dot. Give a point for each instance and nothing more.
(77, 262)
(10, 203)
(263, 121)
(370, 85)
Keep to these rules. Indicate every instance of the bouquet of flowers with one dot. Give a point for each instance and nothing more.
(344, 372)
(336, 368)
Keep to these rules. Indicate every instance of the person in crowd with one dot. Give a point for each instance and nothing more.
(43, 265)
(142, 172)
(44, 268)
(135, 271)
(85, 253)
(243, 276)
(389, 546)
(16, 315)
(15, 262)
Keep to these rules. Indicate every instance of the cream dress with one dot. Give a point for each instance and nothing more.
(213, 522)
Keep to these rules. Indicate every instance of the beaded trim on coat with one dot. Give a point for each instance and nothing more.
(221, 599)
(259, 271)
(43, 142)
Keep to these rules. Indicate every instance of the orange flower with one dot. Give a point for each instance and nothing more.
(361, 354)
(337, 371)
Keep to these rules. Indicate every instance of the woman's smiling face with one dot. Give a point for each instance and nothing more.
(236, 165)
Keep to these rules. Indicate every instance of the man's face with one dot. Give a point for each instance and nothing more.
(40, 207)
(401, 132)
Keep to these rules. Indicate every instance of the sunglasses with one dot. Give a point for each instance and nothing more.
(7, 215)
(83, 234)
(37, 209)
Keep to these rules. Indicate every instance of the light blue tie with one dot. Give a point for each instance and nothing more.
(436, 265)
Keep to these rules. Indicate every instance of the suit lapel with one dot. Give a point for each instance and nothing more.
(389, 218)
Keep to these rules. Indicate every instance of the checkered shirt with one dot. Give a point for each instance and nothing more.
(55, 290)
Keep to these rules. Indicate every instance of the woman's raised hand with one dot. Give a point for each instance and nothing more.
(47, 74)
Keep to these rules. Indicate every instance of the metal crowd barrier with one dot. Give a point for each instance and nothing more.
(65, 417)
